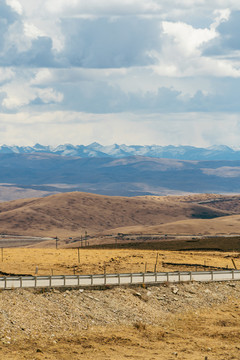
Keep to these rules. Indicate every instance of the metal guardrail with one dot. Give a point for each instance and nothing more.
(13, 282)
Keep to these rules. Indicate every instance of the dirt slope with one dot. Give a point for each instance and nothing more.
(183, 321)
(73, 213)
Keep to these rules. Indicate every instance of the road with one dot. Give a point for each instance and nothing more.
(9, 241)
(11, 282)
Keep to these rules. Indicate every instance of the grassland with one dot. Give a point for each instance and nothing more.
(192, 321)
(95, 261)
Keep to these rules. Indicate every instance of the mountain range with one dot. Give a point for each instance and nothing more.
(40, 174)
(217, 152)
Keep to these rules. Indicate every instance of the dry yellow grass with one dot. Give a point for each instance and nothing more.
(224, 225)
(189, 333)
(93, 261)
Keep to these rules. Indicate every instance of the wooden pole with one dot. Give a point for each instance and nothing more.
(234, 264)
(155, 268)
(78, 256)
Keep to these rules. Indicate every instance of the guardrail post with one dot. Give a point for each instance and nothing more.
(5, 282)
(119, 281)
(105, 279)
(143, 278)
(35, 282)
(179, 277)
(233, 274)
(167, 277)
(50, 281)
(212, 275)
(78, 280)
(190, 273)
(64, 280)
(91, 279)
(131, 278)
(155, 276)
(20, 281)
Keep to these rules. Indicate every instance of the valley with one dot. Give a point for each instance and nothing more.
(83, 233)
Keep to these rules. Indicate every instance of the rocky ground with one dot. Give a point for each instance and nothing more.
(35, 322)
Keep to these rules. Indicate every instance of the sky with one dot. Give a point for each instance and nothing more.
(121, 71)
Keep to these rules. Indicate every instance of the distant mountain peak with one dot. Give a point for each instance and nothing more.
(182, 152)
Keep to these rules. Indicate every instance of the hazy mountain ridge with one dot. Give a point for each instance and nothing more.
(127, 176)
(218, 152)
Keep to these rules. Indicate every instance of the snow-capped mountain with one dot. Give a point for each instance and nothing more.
(217, 152)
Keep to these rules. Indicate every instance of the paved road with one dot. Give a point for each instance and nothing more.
(9, 241)
(11, 282)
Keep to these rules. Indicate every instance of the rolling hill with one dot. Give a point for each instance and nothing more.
(71, 214)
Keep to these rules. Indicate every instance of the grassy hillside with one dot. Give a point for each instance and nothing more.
(74, 213)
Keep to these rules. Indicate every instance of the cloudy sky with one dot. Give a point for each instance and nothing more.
(120, 71)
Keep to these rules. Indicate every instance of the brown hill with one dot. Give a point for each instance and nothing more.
(229, 225)
(72, 214)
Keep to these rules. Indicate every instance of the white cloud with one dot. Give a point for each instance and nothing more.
(221, 16)
(83, 128)
(16, 6)
(49, 95)
(32, 31)
(117, 57)
(18, 96)
(6, 74)
(187, 38)
(181, 53)
(103, 7)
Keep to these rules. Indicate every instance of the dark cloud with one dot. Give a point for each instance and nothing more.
(225, 98)
(100, 97)
(7, 17)
(99, 43)
(102, 43)
(7, 13)
(39, 55)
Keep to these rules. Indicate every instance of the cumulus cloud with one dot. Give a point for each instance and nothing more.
(187, 38)
(16, 96)
(119, 61)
